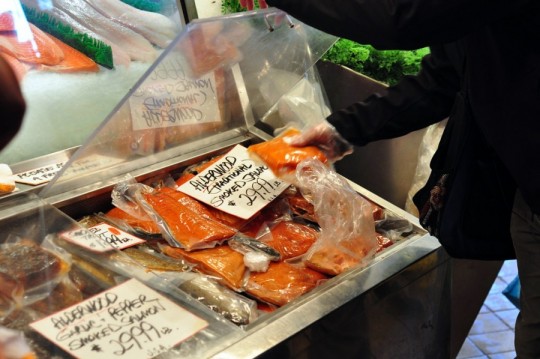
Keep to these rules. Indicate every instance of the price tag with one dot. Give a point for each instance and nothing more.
(39, 175)
(169, 97)
(101, 238)
(130, 320)
(235, 184)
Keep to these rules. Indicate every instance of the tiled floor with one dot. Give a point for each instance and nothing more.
(492, 334)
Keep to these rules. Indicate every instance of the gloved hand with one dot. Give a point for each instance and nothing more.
(324, 136)
(249, 4)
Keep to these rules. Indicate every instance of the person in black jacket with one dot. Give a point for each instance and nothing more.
(486, 51)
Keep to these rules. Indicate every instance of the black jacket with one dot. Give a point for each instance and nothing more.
(492, 49)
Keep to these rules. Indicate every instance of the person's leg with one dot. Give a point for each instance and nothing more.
(525, 230)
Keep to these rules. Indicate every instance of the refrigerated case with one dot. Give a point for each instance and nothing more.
(243, 76)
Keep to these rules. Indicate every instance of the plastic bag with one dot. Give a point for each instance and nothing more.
(347, 237)
(427, 148)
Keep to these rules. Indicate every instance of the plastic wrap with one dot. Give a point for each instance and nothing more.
(283, 158)
(257, 255)
(282, 283)
(347, 237)
(289, 238)
(427, 148)
(181, 225)
(220, 262)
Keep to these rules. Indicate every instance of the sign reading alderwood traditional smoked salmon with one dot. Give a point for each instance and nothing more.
(169, 97)
(127, 321)
(235, 184)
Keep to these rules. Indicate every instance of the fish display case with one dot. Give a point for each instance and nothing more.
(123, 277)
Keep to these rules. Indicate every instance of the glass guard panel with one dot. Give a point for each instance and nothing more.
(217, 79)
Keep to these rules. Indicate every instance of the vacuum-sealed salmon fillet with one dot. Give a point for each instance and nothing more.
(282, 283)
(281, 157)
(183, 225)
(221, 262)
(290, 239)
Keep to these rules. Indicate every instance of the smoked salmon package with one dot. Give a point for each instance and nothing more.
(181, 219)
(283, 158)
(347, 238)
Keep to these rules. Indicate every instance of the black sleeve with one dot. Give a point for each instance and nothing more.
(399, 24)
(412, 104)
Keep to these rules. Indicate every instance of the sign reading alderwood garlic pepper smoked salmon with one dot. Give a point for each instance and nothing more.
(127, 321)
(235, 184)
(169, 97)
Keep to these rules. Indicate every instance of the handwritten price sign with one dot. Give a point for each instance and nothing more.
(235, 184)
(101, 238)
(170, 98)
(128, 321)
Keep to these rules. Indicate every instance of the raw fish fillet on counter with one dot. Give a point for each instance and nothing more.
(68, 36)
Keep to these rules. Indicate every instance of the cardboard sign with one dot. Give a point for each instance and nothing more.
(170, 98)
(130, 320)
(235, 184)
(101, 238)
(39, 175)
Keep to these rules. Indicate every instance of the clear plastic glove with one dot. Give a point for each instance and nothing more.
(324, 136)
(249, 4)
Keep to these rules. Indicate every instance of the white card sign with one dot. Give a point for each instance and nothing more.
(169, 97)
(130, 320)
(39, 175)
(235, 184)
(101, 238)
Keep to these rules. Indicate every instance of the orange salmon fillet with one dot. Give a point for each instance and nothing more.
(145, 224)
(290, 239)
(43, 50)
(20, 69)
(190, 229)
(281, 157)
(282, 283)
(220, 261)
(6, 21)
(73, 61)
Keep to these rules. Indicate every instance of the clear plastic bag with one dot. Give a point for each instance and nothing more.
(427, 148)
(347, 237)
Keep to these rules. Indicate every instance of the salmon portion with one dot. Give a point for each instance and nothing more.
(73, 61)
(42, 50)
(221, 261)
(290, 239)
(187, 227)
(146, 224)
(334, 259)
(281, 157)
(20, 69)
(6, 21)
(282, 283)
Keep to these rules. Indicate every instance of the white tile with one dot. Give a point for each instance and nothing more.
(488, 323)
(469, 350)
(496, 302)
(508, 317)
(506, 355)
(498, 286)
(494, 343)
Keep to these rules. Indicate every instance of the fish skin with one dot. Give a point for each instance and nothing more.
(157, 28)
(231, 305)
